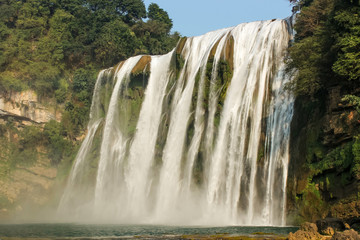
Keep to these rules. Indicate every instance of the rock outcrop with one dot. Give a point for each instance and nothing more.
(27, 186)
(346, 235)
(307, 231)
(323, 180)
(329, 225)
(310, 231)
(27, 175)
(26, 104)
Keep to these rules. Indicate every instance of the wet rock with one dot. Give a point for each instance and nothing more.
(334, 223)
(346, 235)
(142, 66)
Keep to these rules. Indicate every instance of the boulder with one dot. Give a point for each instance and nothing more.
(334, 223)
(308, 231)
(309, 227)
(346, 235)
(328, 231)
(347, 226)
(303, 235)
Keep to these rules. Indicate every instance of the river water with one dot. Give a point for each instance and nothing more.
(110, 231)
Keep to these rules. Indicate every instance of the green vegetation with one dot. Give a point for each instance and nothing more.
(58, 146)
(329, 175)
(327, 46)
(56, 48)
(22, 146)
(326, 58)
(42, 42)
(311, 204)
(353, 100)
(355, 169)
(339, 160)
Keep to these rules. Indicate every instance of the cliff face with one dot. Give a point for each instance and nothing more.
(26, 104)
(325, 146)
(323, 175)
(27, 175)
(36, 156)
(27, 186)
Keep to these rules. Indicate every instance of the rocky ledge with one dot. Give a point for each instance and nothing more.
(27, 104)
(331, 228)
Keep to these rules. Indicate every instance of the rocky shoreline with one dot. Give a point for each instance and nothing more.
(329, 228)
(324, 229)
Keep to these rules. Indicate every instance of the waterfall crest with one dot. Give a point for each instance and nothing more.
(197, 136)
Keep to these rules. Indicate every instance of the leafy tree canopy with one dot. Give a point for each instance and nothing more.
(44, 41)
(158, 14)
(327, 46)
(57, 47)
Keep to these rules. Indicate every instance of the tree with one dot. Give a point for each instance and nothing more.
(129, 10)
(56, 47)
(132, 9)
(347, 22)
(158, 14)
(312, 54)
(114, 43)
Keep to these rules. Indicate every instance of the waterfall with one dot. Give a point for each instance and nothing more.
(197, 136)
(80, 166)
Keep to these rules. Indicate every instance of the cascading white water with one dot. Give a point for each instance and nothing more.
(80, 166)
(137, 174)
(113, 147)
(211, 139)
(277, 150)
(196, 52)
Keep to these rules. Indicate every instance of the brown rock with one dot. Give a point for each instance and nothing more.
(308, 231)
(347, 226)
(346, 235)
(309, 227)
(27, 104)
(142, 65)
(335, 223)
(229, 52)
(328, 231)
(181, 45)
(355, 226)
(303, 235)
(347, 210)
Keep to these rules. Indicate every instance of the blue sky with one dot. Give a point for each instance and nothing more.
(196, 17)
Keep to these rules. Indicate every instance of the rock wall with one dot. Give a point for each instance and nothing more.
(27, 104)
(27, 186)
(27, 175)
(323, 170)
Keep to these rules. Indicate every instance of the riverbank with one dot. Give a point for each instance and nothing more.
(189, 237)
(330, 228)
(71, 231)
